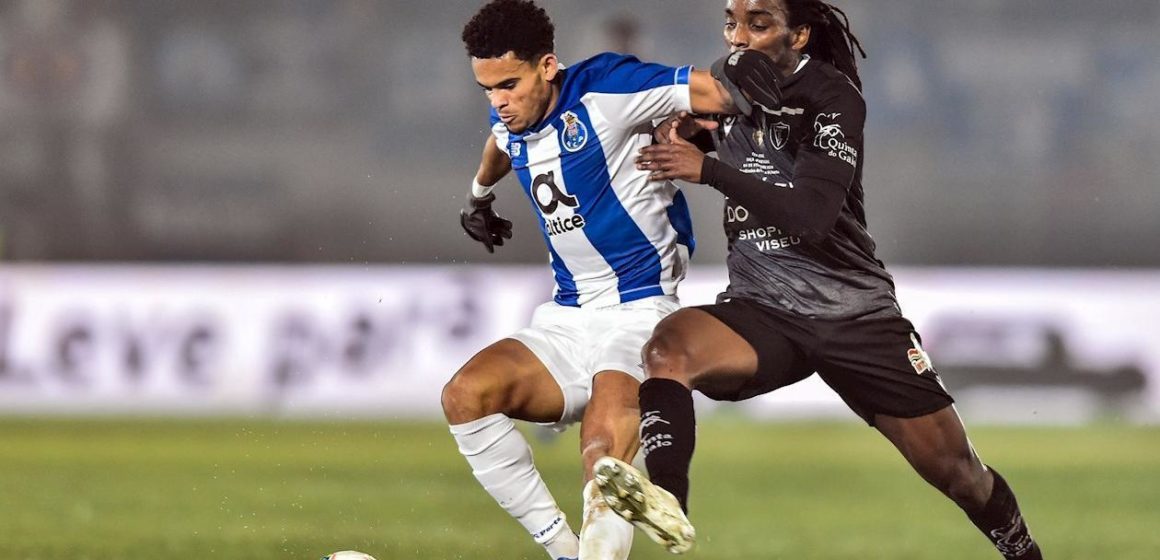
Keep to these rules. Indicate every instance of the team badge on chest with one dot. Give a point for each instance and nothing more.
(780, 135)
(574, 135)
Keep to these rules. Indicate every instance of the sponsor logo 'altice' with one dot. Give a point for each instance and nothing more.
(829, 137)
(549, 197)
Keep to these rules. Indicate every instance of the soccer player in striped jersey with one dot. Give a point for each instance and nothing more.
(618, 245)
(806, 293)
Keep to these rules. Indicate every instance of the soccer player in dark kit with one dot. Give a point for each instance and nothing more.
(806, 293)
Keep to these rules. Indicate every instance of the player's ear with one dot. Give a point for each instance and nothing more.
(548, 66)
(801, 36)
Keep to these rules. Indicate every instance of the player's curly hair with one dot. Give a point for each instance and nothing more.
(519, 26)
(830, 36)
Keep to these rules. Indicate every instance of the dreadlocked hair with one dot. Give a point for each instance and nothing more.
(518, 26)
(830, 37)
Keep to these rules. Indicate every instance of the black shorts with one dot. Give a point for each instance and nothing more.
(877, 366)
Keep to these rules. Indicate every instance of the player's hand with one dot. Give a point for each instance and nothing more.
(687, 127)
(676, 159)
(482, 223)
(754, 76)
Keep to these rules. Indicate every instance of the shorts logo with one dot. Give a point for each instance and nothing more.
(919, 359)
(830, 137)
(575, 134)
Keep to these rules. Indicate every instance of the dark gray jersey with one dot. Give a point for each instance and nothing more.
(816, 134)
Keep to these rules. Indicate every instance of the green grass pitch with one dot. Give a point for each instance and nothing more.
(235, 489)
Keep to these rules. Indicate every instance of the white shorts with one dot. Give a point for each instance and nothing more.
(576, 343)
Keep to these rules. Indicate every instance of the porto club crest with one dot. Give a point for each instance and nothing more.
(574, 135)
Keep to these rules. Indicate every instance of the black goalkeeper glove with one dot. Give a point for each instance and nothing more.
(752, 80)
(482, 223)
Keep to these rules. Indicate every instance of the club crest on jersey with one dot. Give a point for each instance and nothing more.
(780, 135)
(828, 135)
(918, 357)
(575, 134)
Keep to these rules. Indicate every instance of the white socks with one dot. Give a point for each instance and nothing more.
(605, 535)
(501, 460)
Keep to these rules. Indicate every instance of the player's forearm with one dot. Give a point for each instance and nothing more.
(807, 207)
(493, 166)
(708, 96)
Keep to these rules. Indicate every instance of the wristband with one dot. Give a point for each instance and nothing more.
(478, 190)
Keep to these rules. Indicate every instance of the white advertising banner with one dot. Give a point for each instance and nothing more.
(279, 340)
(1044, 346)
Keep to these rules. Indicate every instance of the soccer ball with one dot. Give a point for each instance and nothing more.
(348, 555)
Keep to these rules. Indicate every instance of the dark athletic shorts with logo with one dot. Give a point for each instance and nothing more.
(877, 366)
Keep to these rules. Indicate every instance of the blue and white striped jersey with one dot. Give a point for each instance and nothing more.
(613, 235)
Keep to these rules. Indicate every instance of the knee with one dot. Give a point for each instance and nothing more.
(665, 355)
(470, 396)
(964, 480)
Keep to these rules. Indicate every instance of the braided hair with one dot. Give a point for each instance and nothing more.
(830, 37)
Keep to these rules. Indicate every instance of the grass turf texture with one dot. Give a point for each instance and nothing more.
(99, 489)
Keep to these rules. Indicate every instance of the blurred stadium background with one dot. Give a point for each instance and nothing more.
(232, 282)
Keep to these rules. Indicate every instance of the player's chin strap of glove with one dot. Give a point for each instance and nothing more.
(752, 80)
(482, 223)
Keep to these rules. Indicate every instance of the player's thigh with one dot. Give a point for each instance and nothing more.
(733, 350)
(695, 347)
(878, 367)
(505, 377)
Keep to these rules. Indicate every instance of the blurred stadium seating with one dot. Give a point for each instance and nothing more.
(1000, 133)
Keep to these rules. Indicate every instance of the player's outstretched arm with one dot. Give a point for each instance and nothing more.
(808, 207)
(708, 96)
(479, 221)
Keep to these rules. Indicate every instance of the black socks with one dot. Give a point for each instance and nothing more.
(668, 431)
(1001, 521)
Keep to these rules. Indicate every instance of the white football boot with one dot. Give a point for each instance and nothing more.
(604, 535)
(648, 506)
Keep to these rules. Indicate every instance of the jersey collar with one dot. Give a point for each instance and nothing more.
(797, 72)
